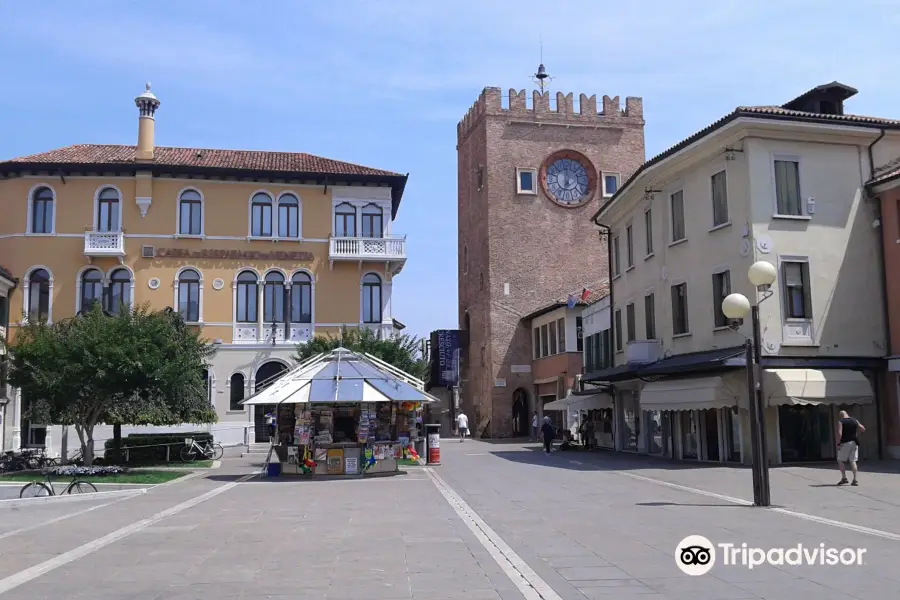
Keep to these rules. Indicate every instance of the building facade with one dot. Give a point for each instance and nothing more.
(7, 285)
(260, 251)
(784, 185)
(528, 179)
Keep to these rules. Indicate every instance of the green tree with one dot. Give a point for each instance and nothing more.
(401, 351)
(139, 367)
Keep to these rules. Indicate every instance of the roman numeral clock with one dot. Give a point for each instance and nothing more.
(568, 178)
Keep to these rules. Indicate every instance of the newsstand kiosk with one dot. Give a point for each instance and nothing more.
(433, 435)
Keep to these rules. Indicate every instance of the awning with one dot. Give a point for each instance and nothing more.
(696, 393)
(812, 386)
(581, 402)
(295, 396)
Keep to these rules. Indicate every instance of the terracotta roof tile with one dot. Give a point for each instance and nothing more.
(596, 292)
(287, 162)
(886, 172)
(4, 272)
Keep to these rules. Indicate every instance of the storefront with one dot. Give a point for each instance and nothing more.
(590, 405)
(345, 414)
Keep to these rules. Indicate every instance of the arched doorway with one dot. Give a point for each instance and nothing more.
(267, 374)
(520, 421)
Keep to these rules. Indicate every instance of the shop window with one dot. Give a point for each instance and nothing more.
(690, 434)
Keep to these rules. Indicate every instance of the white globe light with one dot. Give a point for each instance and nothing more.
(735, 306)
(762, 273)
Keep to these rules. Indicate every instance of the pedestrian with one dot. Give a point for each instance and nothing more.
(848, 445)
(462, 424)
(547, 430)
(534, 427)
(589, 432)
(582, 431)
(270, 424)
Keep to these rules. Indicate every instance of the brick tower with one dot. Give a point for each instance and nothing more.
(529, 179)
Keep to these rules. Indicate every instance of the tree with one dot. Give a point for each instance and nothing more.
(139, 367)
(401, 351)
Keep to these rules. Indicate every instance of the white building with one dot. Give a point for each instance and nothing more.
(779, 184)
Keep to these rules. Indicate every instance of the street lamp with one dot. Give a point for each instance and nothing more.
(736, 307)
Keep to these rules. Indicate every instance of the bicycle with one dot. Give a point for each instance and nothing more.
(37, 488)
(192, 450)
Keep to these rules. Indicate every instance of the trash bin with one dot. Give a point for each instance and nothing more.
(420, 447)
(433, 436)
(273, 470)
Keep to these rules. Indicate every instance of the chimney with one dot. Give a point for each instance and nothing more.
(147, 105)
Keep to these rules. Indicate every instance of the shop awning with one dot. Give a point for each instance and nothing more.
(581, 402)
(343, 376)
(812, 386)
(696, 393)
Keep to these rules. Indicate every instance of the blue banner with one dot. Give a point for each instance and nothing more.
(446, 357)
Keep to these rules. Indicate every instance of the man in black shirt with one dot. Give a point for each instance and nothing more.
(848, 445)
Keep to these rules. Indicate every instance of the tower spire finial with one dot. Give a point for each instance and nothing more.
(541, 74)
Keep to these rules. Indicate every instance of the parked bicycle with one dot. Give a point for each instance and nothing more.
(39, 488)
(77, 459)
(207, 451)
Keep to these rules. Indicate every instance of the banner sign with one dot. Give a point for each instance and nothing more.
(445, 350)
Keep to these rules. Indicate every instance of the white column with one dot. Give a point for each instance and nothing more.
(234, 323)
(17, 422)
(260, 336)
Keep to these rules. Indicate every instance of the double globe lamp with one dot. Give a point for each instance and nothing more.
(736, 307)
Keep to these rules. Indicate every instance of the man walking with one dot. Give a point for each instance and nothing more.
(848, 445)
(534, 427)
(547, 430)
(462, 424)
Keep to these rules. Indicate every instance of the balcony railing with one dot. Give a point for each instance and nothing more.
(359, 248)
(101, 243)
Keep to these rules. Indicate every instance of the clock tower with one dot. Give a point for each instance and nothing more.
(531, 172)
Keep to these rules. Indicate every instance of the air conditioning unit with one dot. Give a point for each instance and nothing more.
(148, 251)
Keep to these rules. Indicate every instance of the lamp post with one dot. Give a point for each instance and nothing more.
(736, 307)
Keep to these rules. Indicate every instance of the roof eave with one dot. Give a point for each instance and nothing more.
(543, 311)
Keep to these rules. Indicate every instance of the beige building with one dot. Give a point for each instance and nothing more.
(778, 184)
(259, 251)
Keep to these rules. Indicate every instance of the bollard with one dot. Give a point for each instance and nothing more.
(433, 435)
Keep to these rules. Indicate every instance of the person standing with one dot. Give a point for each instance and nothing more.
(547, 431)
(848, 445)
(462, 424)
(589, 432)
(534, 427)
(270, 424)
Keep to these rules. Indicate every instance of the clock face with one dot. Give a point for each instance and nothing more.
(568, 178)
(567, 181)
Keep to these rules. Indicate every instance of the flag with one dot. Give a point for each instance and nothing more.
(584, 294)
(571, 302)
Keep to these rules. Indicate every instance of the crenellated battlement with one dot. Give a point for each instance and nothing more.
(491, 102)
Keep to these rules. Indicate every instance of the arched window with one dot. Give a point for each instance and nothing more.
(288, 216)
(261, 215)
(190, 213)
(204, 374)
(108, 218)
(237, 391)
(119, 291)
(372, 221)
(345, 220)
(91, 289)
(189, 295)
(371, 298)
(273, 298)
(42, 210)
(39, 295)
(247, 296)
(301, 298)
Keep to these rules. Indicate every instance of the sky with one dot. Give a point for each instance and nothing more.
(384, 83)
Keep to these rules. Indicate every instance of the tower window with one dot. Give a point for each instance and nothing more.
(525, 181)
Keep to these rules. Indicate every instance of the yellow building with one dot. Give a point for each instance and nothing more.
(259, 250)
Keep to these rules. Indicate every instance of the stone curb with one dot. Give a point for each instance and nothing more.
(19, 502)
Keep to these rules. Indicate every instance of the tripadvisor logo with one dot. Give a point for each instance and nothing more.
(696, 555)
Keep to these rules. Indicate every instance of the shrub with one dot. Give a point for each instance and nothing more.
(151, 447)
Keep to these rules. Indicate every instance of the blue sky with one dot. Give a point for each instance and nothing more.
(384, 83)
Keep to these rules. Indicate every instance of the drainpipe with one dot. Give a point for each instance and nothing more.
(884, 295)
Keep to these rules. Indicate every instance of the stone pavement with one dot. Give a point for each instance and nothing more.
(583, 529)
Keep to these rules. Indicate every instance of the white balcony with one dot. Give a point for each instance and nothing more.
(248, 333)
(391, 250)
(98, 243)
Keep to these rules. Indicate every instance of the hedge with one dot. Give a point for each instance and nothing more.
(156, 452)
